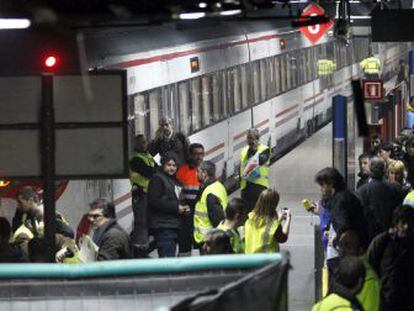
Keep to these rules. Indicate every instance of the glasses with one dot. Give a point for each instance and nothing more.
(94, 216)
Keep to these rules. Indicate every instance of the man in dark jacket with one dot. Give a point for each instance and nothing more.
(363, 174)
(391, 256)
(168, 141)
(112, 240)
(379, 198)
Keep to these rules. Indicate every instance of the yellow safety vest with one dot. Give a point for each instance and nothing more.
(369, 296)
(22, 230)
(74, 259)
(325, 67)
(409, 199)
(236, 241)
(136, 178)
(202, 223)
(333, 302)
(263, 179)
(260, 239)
(370, 65)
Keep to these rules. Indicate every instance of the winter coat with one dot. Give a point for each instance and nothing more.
(113, 242)
(379, 199)
(163, 202)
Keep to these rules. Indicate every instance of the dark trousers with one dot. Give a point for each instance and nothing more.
(250, 194)
(139, 234)
(185, 235)
(166, 240)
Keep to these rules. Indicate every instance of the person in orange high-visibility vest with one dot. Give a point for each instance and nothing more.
(188, 178)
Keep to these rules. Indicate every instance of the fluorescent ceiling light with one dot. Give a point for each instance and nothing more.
(14, 23)
(230, 12)
(195, 15)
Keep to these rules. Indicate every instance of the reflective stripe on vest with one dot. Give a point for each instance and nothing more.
(202, 223)
(263, 180)
(260, 239)
(370, 65)
(333, 302)
(136, 178)
(22, 230)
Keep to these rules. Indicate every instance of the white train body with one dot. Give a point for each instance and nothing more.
(266, 78)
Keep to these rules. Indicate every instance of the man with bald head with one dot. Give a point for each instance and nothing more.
(379, 198)
(253, 182)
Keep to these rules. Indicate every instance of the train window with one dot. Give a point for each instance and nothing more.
(224, 94)
(230, 90)
(207, 102)
(282, 72)
(237, 98)
(286, 60)
(195, 91)
(244, 86)
(141, 113)
(256, 82)
(263, 79)
(271, 83)
(278, 80)
(184, 100)
(216, 96)
(155, 110)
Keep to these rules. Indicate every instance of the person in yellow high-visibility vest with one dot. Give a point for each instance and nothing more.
(141, 168)
(254, 168)
(266, 226)
(211, 204)
(349, 279)
(371, 67)
(325, 69)
(369, 296)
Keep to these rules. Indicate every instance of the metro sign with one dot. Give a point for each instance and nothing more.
(373, 89)
(315, 32)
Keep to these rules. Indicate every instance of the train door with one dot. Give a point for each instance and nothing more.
(241, 116)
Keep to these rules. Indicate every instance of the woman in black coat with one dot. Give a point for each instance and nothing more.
(164, 207)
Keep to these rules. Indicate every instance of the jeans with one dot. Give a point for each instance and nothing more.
(166, 240)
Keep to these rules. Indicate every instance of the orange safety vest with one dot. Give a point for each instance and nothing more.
(187, 176)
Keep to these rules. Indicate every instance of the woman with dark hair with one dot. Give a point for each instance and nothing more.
(266, 226)
(164, 207)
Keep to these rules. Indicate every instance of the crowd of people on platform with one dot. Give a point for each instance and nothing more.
(368, 235)
(179, 201)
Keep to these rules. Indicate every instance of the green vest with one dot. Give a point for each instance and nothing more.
(235, 240)
(263, 179)
(75, 259)
(369, 296)
(370, 65)
(135, 177)
(325, 67)
(333, 302)
(409, 199)
(260, 239)
(202, 223)
(22, 230)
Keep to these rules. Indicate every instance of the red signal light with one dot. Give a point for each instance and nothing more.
(4, 183)
(50, 61)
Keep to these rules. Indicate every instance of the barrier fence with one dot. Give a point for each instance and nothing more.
(244, 282)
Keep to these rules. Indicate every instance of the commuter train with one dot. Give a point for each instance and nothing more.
(218, 81)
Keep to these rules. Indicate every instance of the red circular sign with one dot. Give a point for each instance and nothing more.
(315, 32)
